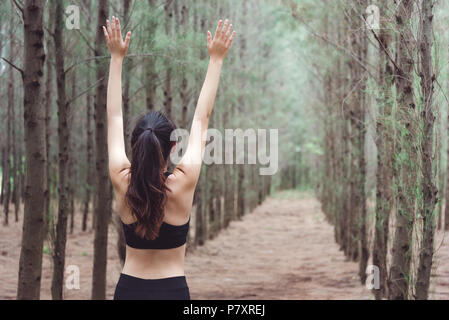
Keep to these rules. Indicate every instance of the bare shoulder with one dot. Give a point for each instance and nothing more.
(185, 176)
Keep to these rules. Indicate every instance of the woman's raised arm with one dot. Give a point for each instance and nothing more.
(218, 47)
(118, 47)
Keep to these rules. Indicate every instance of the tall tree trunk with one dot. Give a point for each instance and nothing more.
(199, 199)
(22, 154)
(240, 191)
(440, 173)
(384, 143)
(48, 113)
(200, 223)
(355, 207)
(241, 167)
(2, 195)
(183, 92)
(102, 205)
(228, 199)
(16, 171)
(126, 85)
(427, 185)
(211, 216)
(168, 73)
(10, 123)
(63, 157)
(30, 264)
(446, 196)
(7, 150)
(361, 126)
(121, 244)
(89, 156)
(219, 199)
(344, 155)
(72, 161)
(405, 170)
(150, 76)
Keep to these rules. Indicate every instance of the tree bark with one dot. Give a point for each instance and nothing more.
(200, 223)
(361, 128)
(446, 197)
(89, 156)
(440, 173)
(168, 73)
(241, 167)
(14, 141)
(406, 155)
(356, 150)
(30, 264)
(2, 195)
(428, 184)
(228, 198)
(126, 85)
(199, 199)
(150, 75)
(71, 173)
(384, 174)
(183, 92)
(9, 139)
(121, 244)
(103, 195)
(48, 113)
(63, 157)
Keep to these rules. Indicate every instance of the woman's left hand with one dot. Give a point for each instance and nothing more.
(114, 39)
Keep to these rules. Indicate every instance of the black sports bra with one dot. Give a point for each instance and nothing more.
(170, 236)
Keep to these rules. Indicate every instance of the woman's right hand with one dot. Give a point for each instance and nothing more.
(218, 46)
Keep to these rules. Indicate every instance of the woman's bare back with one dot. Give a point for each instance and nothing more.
(157, 263)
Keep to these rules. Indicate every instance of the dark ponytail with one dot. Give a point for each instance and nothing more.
(147, 193)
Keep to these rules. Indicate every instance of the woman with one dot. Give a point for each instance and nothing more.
(154, 205)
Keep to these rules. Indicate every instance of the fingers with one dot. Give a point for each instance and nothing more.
(119, 29)
(209, 37)
(228, 43)
(128, 37)
(106, 35)
(113, 27)
(228, 32)
(217, 31)
(225, 27)
(224, 30)
(108, 24)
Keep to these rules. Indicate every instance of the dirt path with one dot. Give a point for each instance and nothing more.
(283, 250)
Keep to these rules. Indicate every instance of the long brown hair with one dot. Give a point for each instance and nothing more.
(147, 193)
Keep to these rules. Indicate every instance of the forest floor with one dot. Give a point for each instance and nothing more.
(284, 249)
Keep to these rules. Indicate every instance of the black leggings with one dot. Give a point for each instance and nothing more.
(132, 288)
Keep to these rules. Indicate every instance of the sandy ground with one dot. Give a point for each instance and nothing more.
(283, 250)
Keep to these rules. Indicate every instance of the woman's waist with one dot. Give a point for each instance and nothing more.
(153, 273)
(154, 265)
